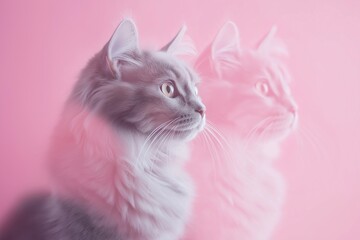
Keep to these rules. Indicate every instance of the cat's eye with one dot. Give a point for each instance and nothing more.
(262, 88)
(168, 89)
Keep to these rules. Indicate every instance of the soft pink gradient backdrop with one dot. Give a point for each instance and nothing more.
(44, 44)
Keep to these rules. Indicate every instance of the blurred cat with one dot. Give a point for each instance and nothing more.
(121, 141)
(250, 110)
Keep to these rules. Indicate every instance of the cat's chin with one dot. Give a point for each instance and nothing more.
(170, 134)
(278, 134)
(188, 134)
(185, 135)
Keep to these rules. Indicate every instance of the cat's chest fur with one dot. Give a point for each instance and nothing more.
(154, 199)
(145, 191)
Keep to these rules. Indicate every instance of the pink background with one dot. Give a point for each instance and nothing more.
(44, 44)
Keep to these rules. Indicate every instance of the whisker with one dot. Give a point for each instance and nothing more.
(313, 143)
(223, 184)
(311, 134)
(150, 135)
(263, 133)
(156, 136)
(202, 139)
(218, 132)
(225, 151)
(163, 138)
(250, 136)
(212, 155)
(220, 163)
(168, 135)
(299, 144)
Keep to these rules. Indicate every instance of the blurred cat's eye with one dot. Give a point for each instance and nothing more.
(168, 89)
(262, 88)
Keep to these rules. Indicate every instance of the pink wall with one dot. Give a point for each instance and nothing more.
(44, 44)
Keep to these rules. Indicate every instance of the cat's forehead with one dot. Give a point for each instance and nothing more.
(257, 67)
(254, 68)
(163, 64)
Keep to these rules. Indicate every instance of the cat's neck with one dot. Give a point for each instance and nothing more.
(145, 151)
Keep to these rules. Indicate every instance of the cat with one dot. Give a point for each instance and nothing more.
(250, 111)
(121, 142)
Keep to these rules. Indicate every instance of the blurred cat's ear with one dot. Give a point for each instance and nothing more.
(226, 45)
(181, 44)
(124, 43)
(271, 45)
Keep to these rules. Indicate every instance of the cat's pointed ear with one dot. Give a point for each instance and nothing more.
(226, 45)
(271, 45)
(123, 43)
(181, 44)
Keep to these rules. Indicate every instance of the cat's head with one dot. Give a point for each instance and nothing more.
(142, 90)
(247, 90)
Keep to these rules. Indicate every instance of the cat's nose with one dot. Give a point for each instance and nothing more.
(292, 108)
(201, 111)
(293, 111)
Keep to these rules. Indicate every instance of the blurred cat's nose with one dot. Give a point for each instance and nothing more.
(201, 111)
(292, 108)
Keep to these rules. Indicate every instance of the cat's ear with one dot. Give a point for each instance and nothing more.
(270, 45)
(226, 46)
(181, 44)
(124, 43)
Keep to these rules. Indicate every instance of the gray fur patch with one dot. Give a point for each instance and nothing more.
(46, 217)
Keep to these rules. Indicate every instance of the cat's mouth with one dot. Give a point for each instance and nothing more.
(281, 126)
(187, 128)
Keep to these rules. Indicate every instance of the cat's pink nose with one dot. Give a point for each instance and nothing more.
(201, 111)
(292, 109)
